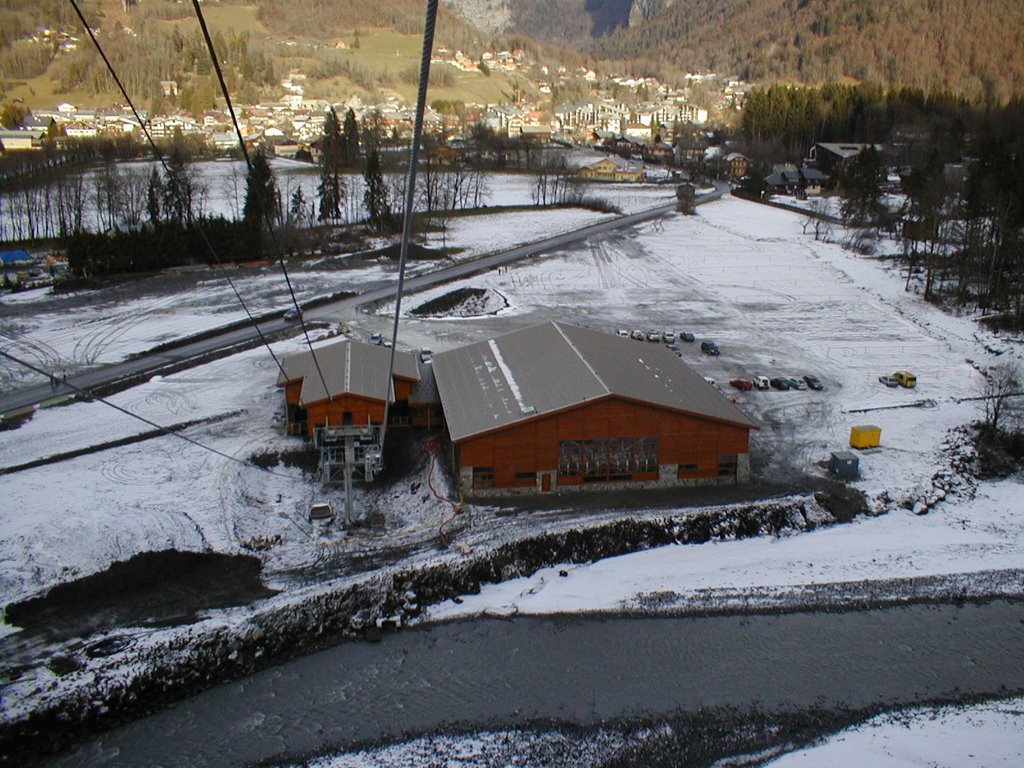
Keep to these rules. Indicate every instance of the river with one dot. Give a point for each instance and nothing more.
(582, 670)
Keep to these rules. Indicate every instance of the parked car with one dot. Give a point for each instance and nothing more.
(711, 381)
(795, 383)
(761, 382)
(293, 313)
(653, 335)
(889, 381)
(426, 355)
(622, 332)
(709, 347)
(687, 337)
(668, 337)
(376, 339)
(813, 382)
(779, 382)
(637, 334)
(744, 385)
(905, 379)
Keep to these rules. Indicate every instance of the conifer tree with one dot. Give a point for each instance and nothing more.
(154, 193)
(350, 140)
(262, 204)
(178, 187)
(378, 208)
(331, 190)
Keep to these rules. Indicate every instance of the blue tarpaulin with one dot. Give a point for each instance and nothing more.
(13, 257)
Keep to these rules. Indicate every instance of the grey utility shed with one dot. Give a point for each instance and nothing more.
(844, 465)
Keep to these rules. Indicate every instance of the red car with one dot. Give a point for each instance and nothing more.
(742, 384)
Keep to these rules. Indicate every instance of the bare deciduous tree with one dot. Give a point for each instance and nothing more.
(1002, 399)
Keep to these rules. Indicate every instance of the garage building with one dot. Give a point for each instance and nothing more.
(558, 406)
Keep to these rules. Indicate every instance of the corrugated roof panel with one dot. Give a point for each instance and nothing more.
(548, 373)
(424, 391)
(347, 367)
(501, 381)
(552, 366)
(330, 361)
(295, 366)
(652, 373)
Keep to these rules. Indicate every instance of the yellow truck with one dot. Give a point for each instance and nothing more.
(905, 379)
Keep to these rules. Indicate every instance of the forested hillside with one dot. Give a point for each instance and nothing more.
(345, 46)
(971, 46)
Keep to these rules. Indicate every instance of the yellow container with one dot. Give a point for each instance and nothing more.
(865, 436)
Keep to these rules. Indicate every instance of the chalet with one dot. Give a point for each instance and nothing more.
(119, 125)
(831, 157)
(625, 146)
(613, 169)
(658, 152)
(737, 164)
(18, 140)
(37, 123)
(78, 129)
(556, 406)
(166, 127)
(537, 134)
(346, 383)
(286, 148)
(786, 179)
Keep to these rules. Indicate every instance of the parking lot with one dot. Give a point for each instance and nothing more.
(777, 304)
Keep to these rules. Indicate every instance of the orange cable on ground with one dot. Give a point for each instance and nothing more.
(433, 446)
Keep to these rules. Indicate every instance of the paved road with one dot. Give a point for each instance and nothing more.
(153, 363)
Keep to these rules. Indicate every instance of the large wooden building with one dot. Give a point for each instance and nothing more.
(558, 406)
(344, 384)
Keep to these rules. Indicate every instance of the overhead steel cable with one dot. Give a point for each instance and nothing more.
(258, 193)
(410, 191)
(170, 432)
(177, 191)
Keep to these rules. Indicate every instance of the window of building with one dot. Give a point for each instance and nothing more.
(687, 470)
(616, 459)
(526, 476)
(483, 477)
(727, 464)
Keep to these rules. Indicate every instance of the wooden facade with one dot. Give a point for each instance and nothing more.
(610, 440)
(351, 409)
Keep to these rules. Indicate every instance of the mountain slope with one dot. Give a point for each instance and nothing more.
(565, 22)
(972, 46)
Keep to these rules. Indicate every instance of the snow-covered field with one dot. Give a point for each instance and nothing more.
(65, 334)
(777, 302)
(989, 735)
(986, 735)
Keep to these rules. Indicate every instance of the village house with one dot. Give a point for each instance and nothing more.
(834, 157)
(787, 179)
(17, 140)
(613, 168)
(738, 165)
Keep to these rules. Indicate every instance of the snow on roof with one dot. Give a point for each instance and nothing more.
(845, 150)
(348, 367)
(552, 366)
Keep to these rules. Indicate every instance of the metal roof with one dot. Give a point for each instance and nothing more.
(424, 391)
(348, 367)
(552, 366)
